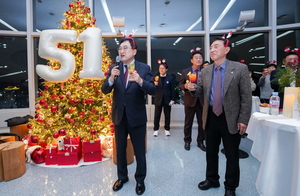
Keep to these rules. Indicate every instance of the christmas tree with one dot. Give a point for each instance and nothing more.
(76, 107)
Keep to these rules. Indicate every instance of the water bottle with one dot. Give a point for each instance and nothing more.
(274, 104)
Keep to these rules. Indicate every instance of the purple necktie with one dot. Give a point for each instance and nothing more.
(217, 104)
(125, 74)
(196, 75)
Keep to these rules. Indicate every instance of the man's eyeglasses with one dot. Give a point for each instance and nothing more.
(124, 48)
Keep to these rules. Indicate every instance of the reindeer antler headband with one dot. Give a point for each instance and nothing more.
(289, 49)
(226, 38)
(162, 61)
(130, 37)
(273, 62)
(194, 50)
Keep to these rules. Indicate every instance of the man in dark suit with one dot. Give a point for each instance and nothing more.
(164, 97)
(192, 105)
(129, 110)
(226, 88)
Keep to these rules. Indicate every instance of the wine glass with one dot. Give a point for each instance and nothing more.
(131, 68)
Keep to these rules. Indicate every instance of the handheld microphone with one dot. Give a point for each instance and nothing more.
(118, 59)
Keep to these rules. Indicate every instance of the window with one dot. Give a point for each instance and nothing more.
(13, 72)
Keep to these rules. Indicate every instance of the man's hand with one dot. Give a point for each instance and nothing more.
(114, 72)
(136, 78)
(190, 86)
(242, 128)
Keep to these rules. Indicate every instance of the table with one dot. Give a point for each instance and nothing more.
(276, 144)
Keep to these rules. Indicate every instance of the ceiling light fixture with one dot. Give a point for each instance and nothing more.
(229, 5)
(284, 34)
(107, 14)
(248, 39)
(7, 25)
(255, 49)
(11, 74)
(258, 57)
(282, 16)
(189, 29)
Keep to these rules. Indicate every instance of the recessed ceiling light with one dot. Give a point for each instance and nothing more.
(40, 1)
(167, 2)
(282, 16)
(142, 26)
(51, 13)
(163, 25)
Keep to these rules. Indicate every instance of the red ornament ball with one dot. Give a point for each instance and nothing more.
(55, 135)
(29, 126)
(34, 139)
(101, 118)
(62, 132)
(70, 120)
(93, 111)
(54, 109)
(93, 132)
(43, 102)
(81, 114)
(111, 125)
(90, 101)
(38, 155)
(37, 115)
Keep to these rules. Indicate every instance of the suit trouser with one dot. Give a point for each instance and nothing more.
(216, 130)
(137, 136)
(157, 115)
(188, 122)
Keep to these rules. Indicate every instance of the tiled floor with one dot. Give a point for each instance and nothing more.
(171, 171)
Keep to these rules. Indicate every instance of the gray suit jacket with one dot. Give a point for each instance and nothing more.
(237, 97)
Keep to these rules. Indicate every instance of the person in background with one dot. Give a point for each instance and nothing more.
(253, 85)
(265, 83)
(129, 111)
(192, 105)
(291, 60)
(164, 97)
(205, 64)
(226, 112)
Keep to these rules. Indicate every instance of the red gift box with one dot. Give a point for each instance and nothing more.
(68, 158)
(92, 156)
(50, 160)
(72, 144)
(51, 150)
(91, 151)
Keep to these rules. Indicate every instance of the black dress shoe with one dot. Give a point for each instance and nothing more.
(119, 184)
(201, 146)
(140, 188)
(229, 193)
(205, 185)
(187, 146)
